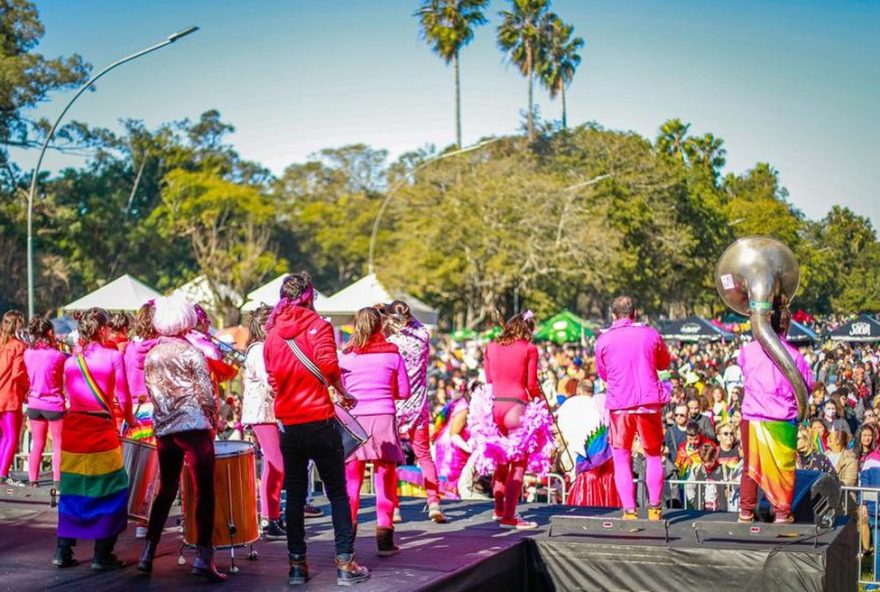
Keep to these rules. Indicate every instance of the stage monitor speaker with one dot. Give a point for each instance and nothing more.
(817, 499)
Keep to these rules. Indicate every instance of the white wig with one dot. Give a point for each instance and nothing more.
(173, 315)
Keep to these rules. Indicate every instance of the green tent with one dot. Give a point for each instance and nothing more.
(463, 335)
(565, 327)
(492, 333)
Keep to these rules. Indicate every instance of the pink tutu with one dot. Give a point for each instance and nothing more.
(533, 442)
(383, 443)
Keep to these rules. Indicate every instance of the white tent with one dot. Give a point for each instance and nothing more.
(123, 293)
(198, 291)
(368, 291)
(269, 294)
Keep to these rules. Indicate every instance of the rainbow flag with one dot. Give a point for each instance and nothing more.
(144, 430)
(771, 460)
(94, 484)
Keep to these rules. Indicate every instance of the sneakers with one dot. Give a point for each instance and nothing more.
(630, 515)
(299, 570)
(437, 515)
(272, 529)
(655, 512)
(140, 532)
(746, 517)
(496, 517)
(385, 542)
(783, 519)
(518, 523)
(348, 572)
(397, 518)
(11, 482)
(311, 511)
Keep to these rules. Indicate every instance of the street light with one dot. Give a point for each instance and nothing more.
(402, 182)
(33, 188)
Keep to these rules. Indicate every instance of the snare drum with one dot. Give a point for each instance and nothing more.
(236, 522)
(141, 461)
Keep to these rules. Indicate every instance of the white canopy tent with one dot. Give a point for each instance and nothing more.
(368, 291)
(199, 291)
(269, 294)
(123, 293)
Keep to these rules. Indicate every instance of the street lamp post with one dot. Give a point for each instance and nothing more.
(33, 187)
(402, 182)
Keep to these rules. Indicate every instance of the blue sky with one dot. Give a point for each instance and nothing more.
(792, 83)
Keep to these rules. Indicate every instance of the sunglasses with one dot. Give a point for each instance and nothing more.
(681, 415)
(725, 434)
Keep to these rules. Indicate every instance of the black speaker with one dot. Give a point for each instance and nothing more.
(817, 499)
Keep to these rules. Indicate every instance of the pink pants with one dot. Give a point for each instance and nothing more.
(272, 476)
(10, 431)
(39, 428)
(421, 447)
(386, 489)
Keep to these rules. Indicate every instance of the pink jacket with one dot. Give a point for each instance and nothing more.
(108, 369)
(135, 355)
(45, 368)
(767, 393)
(376, 380)
(628, 356)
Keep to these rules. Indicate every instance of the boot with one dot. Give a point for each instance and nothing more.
(104, 559)
(272, 529)
(64, 557)
(145, 563)
(299, 570)
(348, 572)
(385, 541)
(203, 565)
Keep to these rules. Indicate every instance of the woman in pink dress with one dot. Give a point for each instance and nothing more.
(451, 448)
(46, 401)
(374, 373)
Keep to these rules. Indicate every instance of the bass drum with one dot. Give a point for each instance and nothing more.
(236, 522)
(141, 461)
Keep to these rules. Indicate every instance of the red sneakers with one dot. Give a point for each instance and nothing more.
(518, 524)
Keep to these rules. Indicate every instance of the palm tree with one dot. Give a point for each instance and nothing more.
(673, 139)
(708, 152)
(561, 59)
(519, 34)
(448, 25)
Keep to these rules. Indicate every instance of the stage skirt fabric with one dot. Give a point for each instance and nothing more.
(94, 485)
(595, 488)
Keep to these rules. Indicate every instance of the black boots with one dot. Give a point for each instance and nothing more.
(299, 570)
(104, 559)
(145, 563)
(385, 541)
(64, 557)
(203, 565)
(348, 572)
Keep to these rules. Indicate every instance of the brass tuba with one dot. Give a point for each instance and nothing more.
(753, 275)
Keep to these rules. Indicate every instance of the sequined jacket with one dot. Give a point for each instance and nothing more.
(414, 344)
(179, 382)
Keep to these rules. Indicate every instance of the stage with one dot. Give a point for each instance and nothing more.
(469, 553)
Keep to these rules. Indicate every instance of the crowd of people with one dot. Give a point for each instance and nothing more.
(477, 418)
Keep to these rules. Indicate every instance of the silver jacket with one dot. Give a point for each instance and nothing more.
(257, 397)
(179, 382)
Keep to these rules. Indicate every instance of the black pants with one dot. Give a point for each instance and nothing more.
(197, 447)
(318, 441)
(103, 547)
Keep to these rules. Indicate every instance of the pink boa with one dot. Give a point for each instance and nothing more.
(533, 441)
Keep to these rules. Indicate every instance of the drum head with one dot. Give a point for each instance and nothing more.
(231, 448)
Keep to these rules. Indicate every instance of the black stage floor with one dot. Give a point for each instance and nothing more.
(470, 553)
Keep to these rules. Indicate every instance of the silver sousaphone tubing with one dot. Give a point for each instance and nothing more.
(752, 274)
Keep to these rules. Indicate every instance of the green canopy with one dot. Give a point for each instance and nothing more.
(565, 327)
(463, 335)
(492, 333)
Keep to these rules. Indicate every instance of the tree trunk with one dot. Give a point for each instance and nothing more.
(564, 118)
(529, 66)
(455, 67)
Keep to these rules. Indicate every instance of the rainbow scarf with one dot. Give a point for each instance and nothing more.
(143, 431)
(94, 485)
(771, 460)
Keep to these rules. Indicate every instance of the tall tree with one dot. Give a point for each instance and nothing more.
(448, 26)
(27, 77)
(562, 58)
(520, 36)
(706, 152)
(673, 138)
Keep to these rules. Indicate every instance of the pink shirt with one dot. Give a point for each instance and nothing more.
(767, 393)
(108, 369)
(375, 380)
(512, 369)
(45, 369)
(135, 355)
(628, 356)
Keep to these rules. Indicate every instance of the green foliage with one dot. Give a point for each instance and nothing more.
(448, 25)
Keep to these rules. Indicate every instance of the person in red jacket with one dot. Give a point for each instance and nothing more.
(306, 414)
(14, 387)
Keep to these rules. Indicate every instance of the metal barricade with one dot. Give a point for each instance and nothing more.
(862, 502)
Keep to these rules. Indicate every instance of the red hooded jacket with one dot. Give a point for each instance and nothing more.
(299, 396)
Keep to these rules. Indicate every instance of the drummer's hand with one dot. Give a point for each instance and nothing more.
(346, 401)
